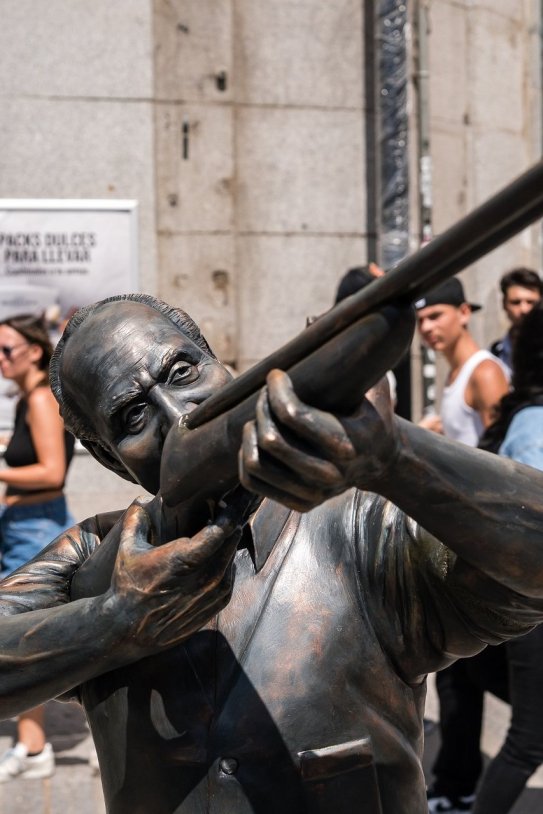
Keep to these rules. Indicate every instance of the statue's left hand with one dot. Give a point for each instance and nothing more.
(301, 456)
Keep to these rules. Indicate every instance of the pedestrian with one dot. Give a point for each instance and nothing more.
(475, 383)
(521, 289)
(33, 510)
(354, 280)
(518, 434)
(476, 380)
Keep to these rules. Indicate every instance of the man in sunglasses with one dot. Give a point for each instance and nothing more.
(278, 668)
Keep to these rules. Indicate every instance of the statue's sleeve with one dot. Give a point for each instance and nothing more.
(430, 606)
(44, 581)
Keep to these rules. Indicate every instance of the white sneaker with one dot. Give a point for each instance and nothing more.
(17, 763)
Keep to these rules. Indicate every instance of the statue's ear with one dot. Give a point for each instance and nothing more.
(105, 457)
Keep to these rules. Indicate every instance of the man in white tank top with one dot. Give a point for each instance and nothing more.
(476, 380)
(475, 383)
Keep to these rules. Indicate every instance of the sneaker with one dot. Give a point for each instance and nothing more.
(17, 763)
(438, 803)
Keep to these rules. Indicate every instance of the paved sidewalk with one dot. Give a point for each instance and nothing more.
(75, 789)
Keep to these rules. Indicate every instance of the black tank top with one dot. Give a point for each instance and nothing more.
(20, 450)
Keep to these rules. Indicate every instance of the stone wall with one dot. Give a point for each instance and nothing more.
(260, 163)
(77, 107)
(485, 103)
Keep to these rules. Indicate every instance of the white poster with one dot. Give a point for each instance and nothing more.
(70, 252)
(57, 255)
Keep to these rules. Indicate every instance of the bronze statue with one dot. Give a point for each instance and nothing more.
(276, 666)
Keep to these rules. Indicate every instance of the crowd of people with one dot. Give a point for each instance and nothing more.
(492, 399)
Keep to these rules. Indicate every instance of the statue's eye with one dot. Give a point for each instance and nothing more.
(134, 417)
(182, 373)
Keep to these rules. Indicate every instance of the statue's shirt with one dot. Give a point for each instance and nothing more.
(307, 692)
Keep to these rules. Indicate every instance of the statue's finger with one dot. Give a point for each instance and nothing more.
(321, 429)
(283, 446)
(136, 529)
(217, 536)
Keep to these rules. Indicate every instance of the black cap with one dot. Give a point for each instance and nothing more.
(449, 293)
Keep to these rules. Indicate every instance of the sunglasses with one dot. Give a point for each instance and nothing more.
(7, 350)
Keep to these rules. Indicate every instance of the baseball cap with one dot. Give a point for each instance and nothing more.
(450, 292)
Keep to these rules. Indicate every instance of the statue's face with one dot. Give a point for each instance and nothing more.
(134, 374)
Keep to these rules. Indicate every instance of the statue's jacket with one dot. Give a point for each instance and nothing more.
(306, 693)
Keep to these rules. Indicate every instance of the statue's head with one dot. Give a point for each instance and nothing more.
(126, 369)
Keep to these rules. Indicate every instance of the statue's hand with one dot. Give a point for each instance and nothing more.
(301, 456)
(168, 592)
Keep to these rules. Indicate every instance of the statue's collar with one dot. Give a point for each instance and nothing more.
(263, 530)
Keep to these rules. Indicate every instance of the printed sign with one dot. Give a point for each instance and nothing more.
(57, 255)
(70, 252)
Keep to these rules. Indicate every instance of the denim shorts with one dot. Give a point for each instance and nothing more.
(26, 530)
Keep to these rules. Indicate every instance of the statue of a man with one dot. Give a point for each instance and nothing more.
(281, 669)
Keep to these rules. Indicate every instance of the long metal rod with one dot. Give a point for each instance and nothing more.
(512, 209)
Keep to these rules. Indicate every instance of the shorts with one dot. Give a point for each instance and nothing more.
(26, 530)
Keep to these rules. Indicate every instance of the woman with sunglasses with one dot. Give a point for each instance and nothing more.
(33, 510)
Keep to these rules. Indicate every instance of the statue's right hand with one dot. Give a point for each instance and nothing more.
(168, 592)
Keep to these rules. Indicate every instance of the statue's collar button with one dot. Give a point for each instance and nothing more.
(228, 765)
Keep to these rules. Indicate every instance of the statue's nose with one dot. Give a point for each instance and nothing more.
(170, 404)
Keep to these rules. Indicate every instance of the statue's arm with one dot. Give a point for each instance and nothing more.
(45, 653)
(428, 605)
(489, 511)
(158, 595)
